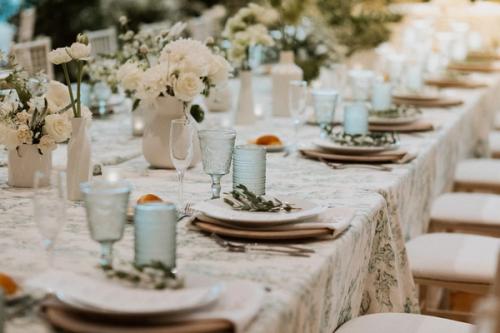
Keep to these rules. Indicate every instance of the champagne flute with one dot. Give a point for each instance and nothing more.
(49, 210)
(298, 98)
(181, 150)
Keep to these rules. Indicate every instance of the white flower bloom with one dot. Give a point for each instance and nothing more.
(154, 82)
(57, 96)
(177, 29)
(123, 20)
(58, 127)
(80, 51)
(187, 55)
(219, 70)
(36, 103)
(47, 144)
(59, 56)
(23, 118)
(188, 86)
(86, 114)
(8, 137)
(129, 74)
(24, 134)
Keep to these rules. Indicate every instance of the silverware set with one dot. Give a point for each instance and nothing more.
(341, 166)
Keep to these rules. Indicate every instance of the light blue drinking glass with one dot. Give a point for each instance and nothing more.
(249, 168)
(356, 118)
(102, 92)
(217, 147)
(325, 102)
(106, 204)
(155, 234)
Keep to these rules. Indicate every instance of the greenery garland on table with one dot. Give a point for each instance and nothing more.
(241, 198)
(365, 140)
(396, 112)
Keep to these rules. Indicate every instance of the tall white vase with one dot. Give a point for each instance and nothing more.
(79, 167)
(245, 114)
(25, 162)
(156, 139)
(282, 73)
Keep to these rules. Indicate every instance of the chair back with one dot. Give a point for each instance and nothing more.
(26, 25)
(103, 41)
(34, 56)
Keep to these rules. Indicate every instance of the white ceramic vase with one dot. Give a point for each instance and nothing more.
(24, 162)
(156, 139)
(220, 99)
(79, 166)
(245, 114)
(282, 73)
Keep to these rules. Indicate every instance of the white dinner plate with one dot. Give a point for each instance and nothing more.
(111, 297)
(219, 210)
(393, 121)
(352, 150)
(423, 96)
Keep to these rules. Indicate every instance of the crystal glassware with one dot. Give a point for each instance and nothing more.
(155, 234)
(298, 106)
(106, 204)
(217, 147)
(249, 168)
(181, 150)
(325, 102)
(49, 209)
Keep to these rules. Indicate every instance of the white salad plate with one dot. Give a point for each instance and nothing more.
(351, 150)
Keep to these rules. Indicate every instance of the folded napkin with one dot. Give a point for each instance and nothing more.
(418, 126)
(442, 102)
(391, 156)
(238, 302)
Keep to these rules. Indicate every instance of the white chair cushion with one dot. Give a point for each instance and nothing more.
(454, 257)
(476, 208)
(484, 171)
(495, 143)
(403, 323)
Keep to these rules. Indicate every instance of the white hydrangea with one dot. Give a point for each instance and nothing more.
(129, 74)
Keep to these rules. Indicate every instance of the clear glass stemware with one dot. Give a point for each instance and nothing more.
(217, 147)
(181, 150)
(298, 107)
(325, 102)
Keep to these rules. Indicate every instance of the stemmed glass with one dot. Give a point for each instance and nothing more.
(217, 147)
(49, 208)
(181, 150)
(298, 104)
(106, 204)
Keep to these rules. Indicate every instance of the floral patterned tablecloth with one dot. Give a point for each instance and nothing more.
(364, 270)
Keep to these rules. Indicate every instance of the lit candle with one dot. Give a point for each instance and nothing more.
(112, 174)
(381, 95)
(137, 123)
(355, 118)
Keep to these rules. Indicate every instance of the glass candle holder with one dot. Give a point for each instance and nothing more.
(217, 150)
(381, 95)
(360, 81)
(249, 168)
(138, 122)
(155, 234)
(355, 118)
(325, 102)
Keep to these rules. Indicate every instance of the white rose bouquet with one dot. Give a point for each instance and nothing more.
(248, 28)
(184, 69)
(33, 111)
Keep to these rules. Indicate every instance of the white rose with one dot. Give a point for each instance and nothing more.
(58, 127)
(219, 70)
(23, 117)
(129, 75)
(8, 137)
(154, 82)
(79, 51)
(46, 144)
(24, 134)
(188, 86)
(59, 56)
(57, 96)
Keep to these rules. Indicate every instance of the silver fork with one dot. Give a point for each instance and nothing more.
(242, 248)
(188, 211)
(339, 166)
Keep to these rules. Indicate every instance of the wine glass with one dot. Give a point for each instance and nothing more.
(298, 99)
(106, 204)
(181, 150)
(217, 150)
(49, 209)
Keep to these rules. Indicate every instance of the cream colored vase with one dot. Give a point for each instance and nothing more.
(282, 73)
(25, 162)
(156, 139)
(79, 167)
(245, 114)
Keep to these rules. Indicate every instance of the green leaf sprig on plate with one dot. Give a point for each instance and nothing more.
(365, 140)
(243, 199)
(396, 112)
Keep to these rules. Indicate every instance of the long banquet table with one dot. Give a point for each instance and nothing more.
(364, 270)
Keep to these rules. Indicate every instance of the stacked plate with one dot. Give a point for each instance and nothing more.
(249, 168)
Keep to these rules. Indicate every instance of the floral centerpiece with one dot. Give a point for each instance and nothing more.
(34, 117)
(78, 169)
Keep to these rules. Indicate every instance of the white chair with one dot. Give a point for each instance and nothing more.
(33, 56)
(26, 25)
(459, 262)
(403, 323)
(482, 175)
(103, 41)
(494, 141)
(477, 213)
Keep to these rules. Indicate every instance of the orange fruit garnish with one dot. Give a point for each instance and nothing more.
(149, 198)
(268, 140)
(8, 284)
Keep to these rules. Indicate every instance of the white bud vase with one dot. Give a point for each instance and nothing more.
(282, 74)
(24, 162)
(79, 167)
(158, 116)
(245, 114)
